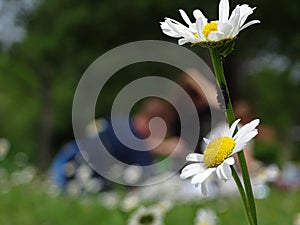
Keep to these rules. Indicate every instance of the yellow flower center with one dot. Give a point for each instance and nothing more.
(203, 223)
(209, 27)
(218, 150)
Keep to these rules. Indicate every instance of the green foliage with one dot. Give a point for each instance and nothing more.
(28, 205)
(64, 37)
(274, 96)
(268, 152)
(275, 99)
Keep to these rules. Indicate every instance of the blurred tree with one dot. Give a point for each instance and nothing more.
(64, 37)
(38, 77)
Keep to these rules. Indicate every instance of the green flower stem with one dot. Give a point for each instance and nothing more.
(219, 72)
(247, 184)
(243, 194)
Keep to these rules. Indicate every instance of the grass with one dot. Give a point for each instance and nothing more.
(28, 205)
(279, 208)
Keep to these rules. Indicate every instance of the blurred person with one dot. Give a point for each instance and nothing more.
(205, 101)
(158, 108)
(161, 144)
(69, 156)
(203, 94)
(243, 110)
(266, 134)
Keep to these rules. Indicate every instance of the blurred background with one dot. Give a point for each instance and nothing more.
(47, 45)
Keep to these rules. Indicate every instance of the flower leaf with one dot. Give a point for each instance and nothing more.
(227, 49)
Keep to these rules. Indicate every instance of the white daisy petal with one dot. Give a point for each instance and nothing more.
(193, 28)
(194, 157)
(246, 129)
(193, 166)
(226, 171)
(223, 11)
(249, 24)
(168, 30)
(203, 188)
(235, 11)
(188, 173)
(215, 36)
(183, 41)
(198, 14)
(178, 27)
(200, 177)
(185, 17)
(173, 26)
(243, 141)
(234, 22)
(245, 11)
(225, 28)
(247, 137)
(218, 172)
(238, 148)
(233, 127)
(199, 26)
(229, 161)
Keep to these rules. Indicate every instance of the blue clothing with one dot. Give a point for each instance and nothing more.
(122, 152)
(113, 145)
(67, 153)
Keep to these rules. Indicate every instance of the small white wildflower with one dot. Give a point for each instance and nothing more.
(225, 28)
(206, 217)
(146, 216)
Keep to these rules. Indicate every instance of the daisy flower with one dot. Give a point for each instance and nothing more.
(204, 32)
(205, 217)
(146, 216)
(217, 157)
(130, 202)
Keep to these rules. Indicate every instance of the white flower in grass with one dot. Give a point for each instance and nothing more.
(165, 205)
(110, 200)
(206, 217)
(146, 216)
(227, 27)
(297, 219)
(217, 157)
(73, 188)
(130, 202)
